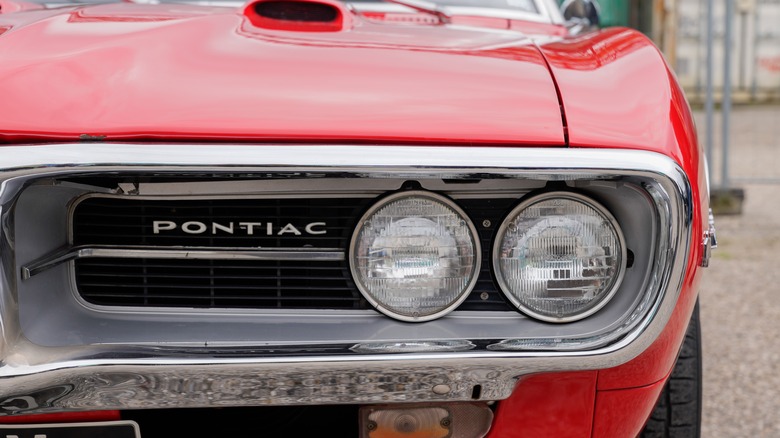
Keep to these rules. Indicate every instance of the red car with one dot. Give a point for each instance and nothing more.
(459, 218)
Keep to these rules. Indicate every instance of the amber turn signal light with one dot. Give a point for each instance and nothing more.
(451, 420)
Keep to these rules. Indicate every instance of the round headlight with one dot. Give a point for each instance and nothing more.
(415, 256)
(559, 257)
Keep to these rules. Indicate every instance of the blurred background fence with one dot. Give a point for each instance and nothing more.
(728, 52)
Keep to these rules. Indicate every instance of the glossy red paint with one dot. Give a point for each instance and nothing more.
(8, 6)
(623, 413)
(489, 22)
(63, 417)
(655, 363)
(558, 405)
(567, 405)
(105, 53)
(588, 70)
(104, 71)
(532, 28)
(650, 113)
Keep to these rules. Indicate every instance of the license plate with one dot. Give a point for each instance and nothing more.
(105, 429)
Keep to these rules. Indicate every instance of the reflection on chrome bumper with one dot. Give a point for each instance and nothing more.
(130, 387)
(38, 378)
(171, 383)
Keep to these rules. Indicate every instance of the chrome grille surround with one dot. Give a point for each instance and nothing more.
(50, 354)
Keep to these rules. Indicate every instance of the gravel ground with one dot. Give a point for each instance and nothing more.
(740, 293)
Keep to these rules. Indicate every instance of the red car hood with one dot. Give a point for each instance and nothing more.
(128, 72)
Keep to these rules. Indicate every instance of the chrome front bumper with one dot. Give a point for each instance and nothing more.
(118, 375)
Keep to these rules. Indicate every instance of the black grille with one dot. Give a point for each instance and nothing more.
(242, 284)
(216, 283)
(114, 221)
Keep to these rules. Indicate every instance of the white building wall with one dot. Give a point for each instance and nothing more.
(755, 47)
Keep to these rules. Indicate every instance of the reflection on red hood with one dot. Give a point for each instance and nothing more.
(128, 71)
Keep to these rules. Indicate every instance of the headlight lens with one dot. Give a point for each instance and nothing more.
(559, 256)
(415, 256)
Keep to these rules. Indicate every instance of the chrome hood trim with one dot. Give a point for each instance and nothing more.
(120, 376)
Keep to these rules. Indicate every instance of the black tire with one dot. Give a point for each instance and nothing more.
(678, 412)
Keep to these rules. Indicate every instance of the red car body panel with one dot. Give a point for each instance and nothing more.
(622, 413)
(650, 113)
(8, 6)
(104, 65)
(548, 405)
(567, 405)
(63, 417)
(238, 69)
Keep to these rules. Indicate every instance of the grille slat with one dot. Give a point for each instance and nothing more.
(204, 277)
(209, 287)
(261, 284)
(255, 298)
(123, 263)
(198, 283)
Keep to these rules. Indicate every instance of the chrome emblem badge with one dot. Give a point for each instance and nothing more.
(246, 228)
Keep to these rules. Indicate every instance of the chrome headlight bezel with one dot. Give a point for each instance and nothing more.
(512, 216)
(476, 248)
(659, 221)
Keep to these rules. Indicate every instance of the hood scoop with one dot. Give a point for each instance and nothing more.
(298, 15)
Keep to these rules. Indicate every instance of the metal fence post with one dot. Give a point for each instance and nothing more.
(723, 198)
(710, 99)
(726, 108)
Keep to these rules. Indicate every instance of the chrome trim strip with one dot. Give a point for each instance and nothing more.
(709, 241)
(712, 231)
(426, 7)
(41, 427)
(194, 253)
(543, 16)
(63, 159)
(120, 376)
